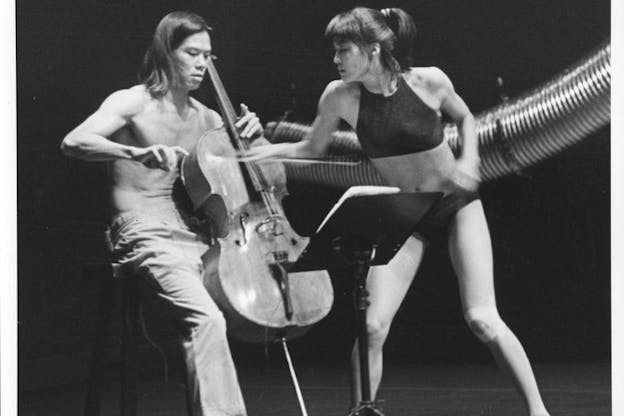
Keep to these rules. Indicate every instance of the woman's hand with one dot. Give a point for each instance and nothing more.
(466, 174)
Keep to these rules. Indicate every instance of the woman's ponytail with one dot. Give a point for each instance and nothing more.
(404, 29)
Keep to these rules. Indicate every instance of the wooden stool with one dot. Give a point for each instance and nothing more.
(115, 281)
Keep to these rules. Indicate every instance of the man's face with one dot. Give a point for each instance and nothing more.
(190, 59)
(351, 61)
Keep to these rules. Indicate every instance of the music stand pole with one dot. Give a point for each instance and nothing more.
(363, 259)
(362, 231)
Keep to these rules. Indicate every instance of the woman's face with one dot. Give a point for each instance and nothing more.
(351, 61)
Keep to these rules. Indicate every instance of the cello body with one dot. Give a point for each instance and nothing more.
(245, 271)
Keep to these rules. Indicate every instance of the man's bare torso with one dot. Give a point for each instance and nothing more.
(135, 186)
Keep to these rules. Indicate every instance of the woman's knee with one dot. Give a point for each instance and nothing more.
(377, 331)
(485, 323)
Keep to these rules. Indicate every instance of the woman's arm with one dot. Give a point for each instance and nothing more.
(454, 106)
(316, 142)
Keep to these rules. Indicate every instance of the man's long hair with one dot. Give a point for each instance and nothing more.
(158, 67)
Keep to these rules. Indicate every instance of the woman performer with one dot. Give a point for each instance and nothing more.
(395, 110)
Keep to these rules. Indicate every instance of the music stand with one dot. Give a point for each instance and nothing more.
(364, 231)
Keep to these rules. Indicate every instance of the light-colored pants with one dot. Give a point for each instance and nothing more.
(157, 244)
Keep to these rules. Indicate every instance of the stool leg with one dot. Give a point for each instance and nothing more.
(101, 342)
(130, 327)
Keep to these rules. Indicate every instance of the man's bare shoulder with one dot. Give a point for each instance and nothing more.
(127, 102)
(208, 115)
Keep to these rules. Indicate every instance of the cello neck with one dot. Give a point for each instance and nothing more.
(229, 116)
(225, 105)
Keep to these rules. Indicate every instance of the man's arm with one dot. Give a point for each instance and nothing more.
(90, 139)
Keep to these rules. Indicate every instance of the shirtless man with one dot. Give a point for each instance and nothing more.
(143, 132)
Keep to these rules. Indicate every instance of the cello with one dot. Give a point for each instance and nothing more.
(245, 271)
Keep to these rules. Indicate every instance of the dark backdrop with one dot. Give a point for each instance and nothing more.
(550, 225)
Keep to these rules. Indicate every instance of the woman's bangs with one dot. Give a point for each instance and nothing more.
(343, 28)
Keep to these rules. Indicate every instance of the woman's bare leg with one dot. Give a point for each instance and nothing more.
(471, 254)
(387, 286)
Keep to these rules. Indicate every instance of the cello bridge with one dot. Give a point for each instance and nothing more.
(271, 226)
(280, 256)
